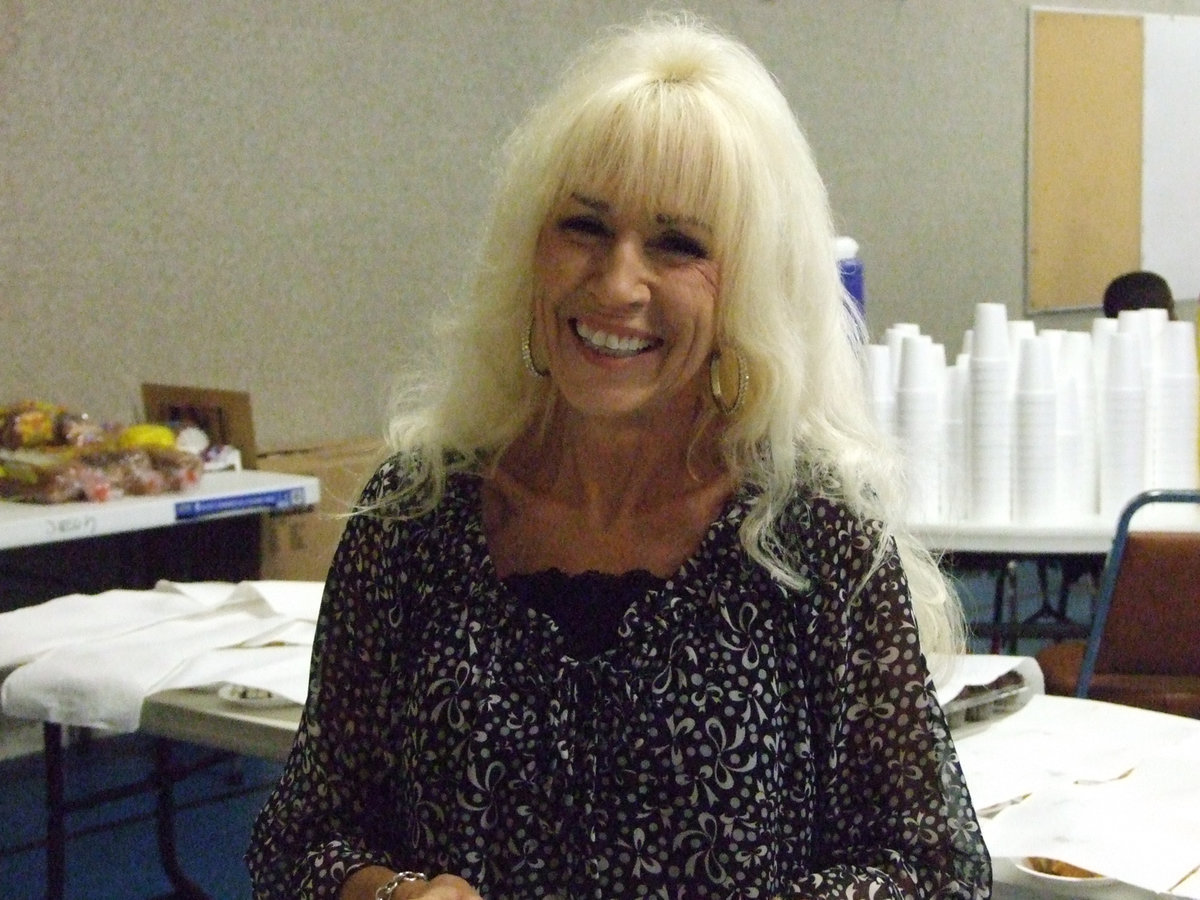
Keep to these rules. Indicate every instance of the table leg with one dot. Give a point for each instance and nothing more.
(164, 815)
(1012, 569)
(1006, 588)
(56, 813)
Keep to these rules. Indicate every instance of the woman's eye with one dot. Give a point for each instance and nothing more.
(584, 225)
(680, 244)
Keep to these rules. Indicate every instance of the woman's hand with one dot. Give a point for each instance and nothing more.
(363, 884)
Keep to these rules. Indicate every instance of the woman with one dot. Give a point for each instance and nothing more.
(620, 617)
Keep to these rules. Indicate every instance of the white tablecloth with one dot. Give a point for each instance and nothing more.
(91, 661)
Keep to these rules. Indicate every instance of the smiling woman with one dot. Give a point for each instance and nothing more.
(628, 612)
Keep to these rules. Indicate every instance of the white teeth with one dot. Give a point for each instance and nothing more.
(602, 340)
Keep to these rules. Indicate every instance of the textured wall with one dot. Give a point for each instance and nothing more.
(271, 195)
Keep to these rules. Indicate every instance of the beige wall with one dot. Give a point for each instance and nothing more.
(270, 195)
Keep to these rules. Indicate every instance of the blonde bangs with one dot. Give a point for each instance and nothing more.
(658, 148)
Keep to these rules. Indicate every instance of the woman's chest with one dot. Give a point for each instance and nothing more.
(693, 686)
(698, 719)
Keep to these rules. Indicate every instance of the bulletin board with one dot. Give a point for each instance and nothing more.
(1085, 154)
(1114, 119)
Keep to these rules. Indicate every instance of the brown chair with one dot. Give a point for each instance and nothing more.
(1144, 646)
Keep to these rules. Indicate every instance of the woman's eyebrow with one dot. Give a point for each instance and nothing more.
(670, 221)
(591, 203)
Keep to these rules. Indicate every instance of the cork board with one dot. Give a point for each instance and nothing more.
(1085, 155)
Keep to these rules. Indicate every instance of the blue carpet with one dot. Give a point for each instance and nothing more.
(112, 851)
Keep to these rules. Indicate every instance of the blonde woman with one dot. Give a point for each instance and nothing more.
(630, 611)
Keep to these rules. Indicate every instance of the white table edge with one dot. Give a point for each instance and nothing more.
(218, 495)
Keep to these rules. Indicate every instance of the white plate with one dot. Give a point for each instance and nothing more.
(251, 697)
(1065, 885)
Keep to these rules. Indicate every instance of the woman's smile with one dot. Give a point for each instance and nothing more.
(610, 343)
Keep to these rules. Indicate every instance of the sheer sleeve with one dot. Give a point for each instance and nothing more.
(897, 818)
(333, 810)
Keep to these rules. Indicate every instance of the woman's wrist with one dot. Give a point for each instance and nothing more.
(372, 882)
(388, 891)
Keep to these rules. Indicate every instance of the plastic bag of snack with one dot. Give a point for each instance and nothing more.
(51, 455)
(31, 424)
(181, 469)
(97, 474)
(44, 477)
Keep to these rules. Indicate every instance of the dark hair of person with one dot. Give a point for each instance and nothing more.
(1138, 290)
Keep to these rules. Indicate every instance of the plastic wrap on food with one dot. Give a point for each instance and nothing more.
(40, 477)
(181, 468)
(31, 424)
(62, 475)
(49, 454)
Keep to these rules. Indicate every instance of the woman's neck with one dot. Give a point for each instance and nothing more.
(609, 499)
(611, 469)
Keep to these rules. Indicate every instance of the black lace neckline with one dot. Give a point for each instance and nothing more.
(587, 607)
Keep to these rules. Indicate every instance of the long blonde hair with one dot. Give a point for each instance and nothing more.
(671, 113)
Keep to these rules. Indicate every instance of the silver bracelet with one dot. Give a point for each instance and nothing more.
(385, 892)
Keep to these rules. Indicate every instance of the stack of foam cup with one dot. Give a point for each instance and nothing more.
(894, 339)
(1145, 325)
(881, 387)
(1078, 494)
(1174, 397)
(989, 458)
(1040, 428)
(954, 432)
(1122, 423)
(918, 398)
(1035, 434)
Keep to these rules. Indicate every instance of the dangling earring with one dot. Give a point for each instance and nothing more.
(527, 353)
(714, 382)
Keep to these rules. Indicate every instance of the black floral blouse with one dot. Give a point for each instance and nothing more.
(738, 740)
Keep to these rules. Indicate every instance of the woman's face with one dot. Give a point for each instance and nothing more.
(625, 308)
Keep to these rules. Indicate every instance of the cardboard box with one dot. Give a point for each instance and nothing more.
(300, 546)
(221, 414)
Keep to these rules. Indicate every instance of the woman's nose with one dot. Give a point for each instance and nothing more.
(625, 273)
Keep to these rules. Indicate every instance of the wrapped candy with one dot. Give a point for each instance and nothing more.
(51, 455)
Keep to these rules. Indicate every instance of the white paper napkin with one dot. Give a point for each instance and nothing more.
(1139, 826)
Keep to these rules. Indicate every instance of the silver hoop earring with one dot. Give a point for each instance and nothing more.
(527, 354)
(714, 382)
